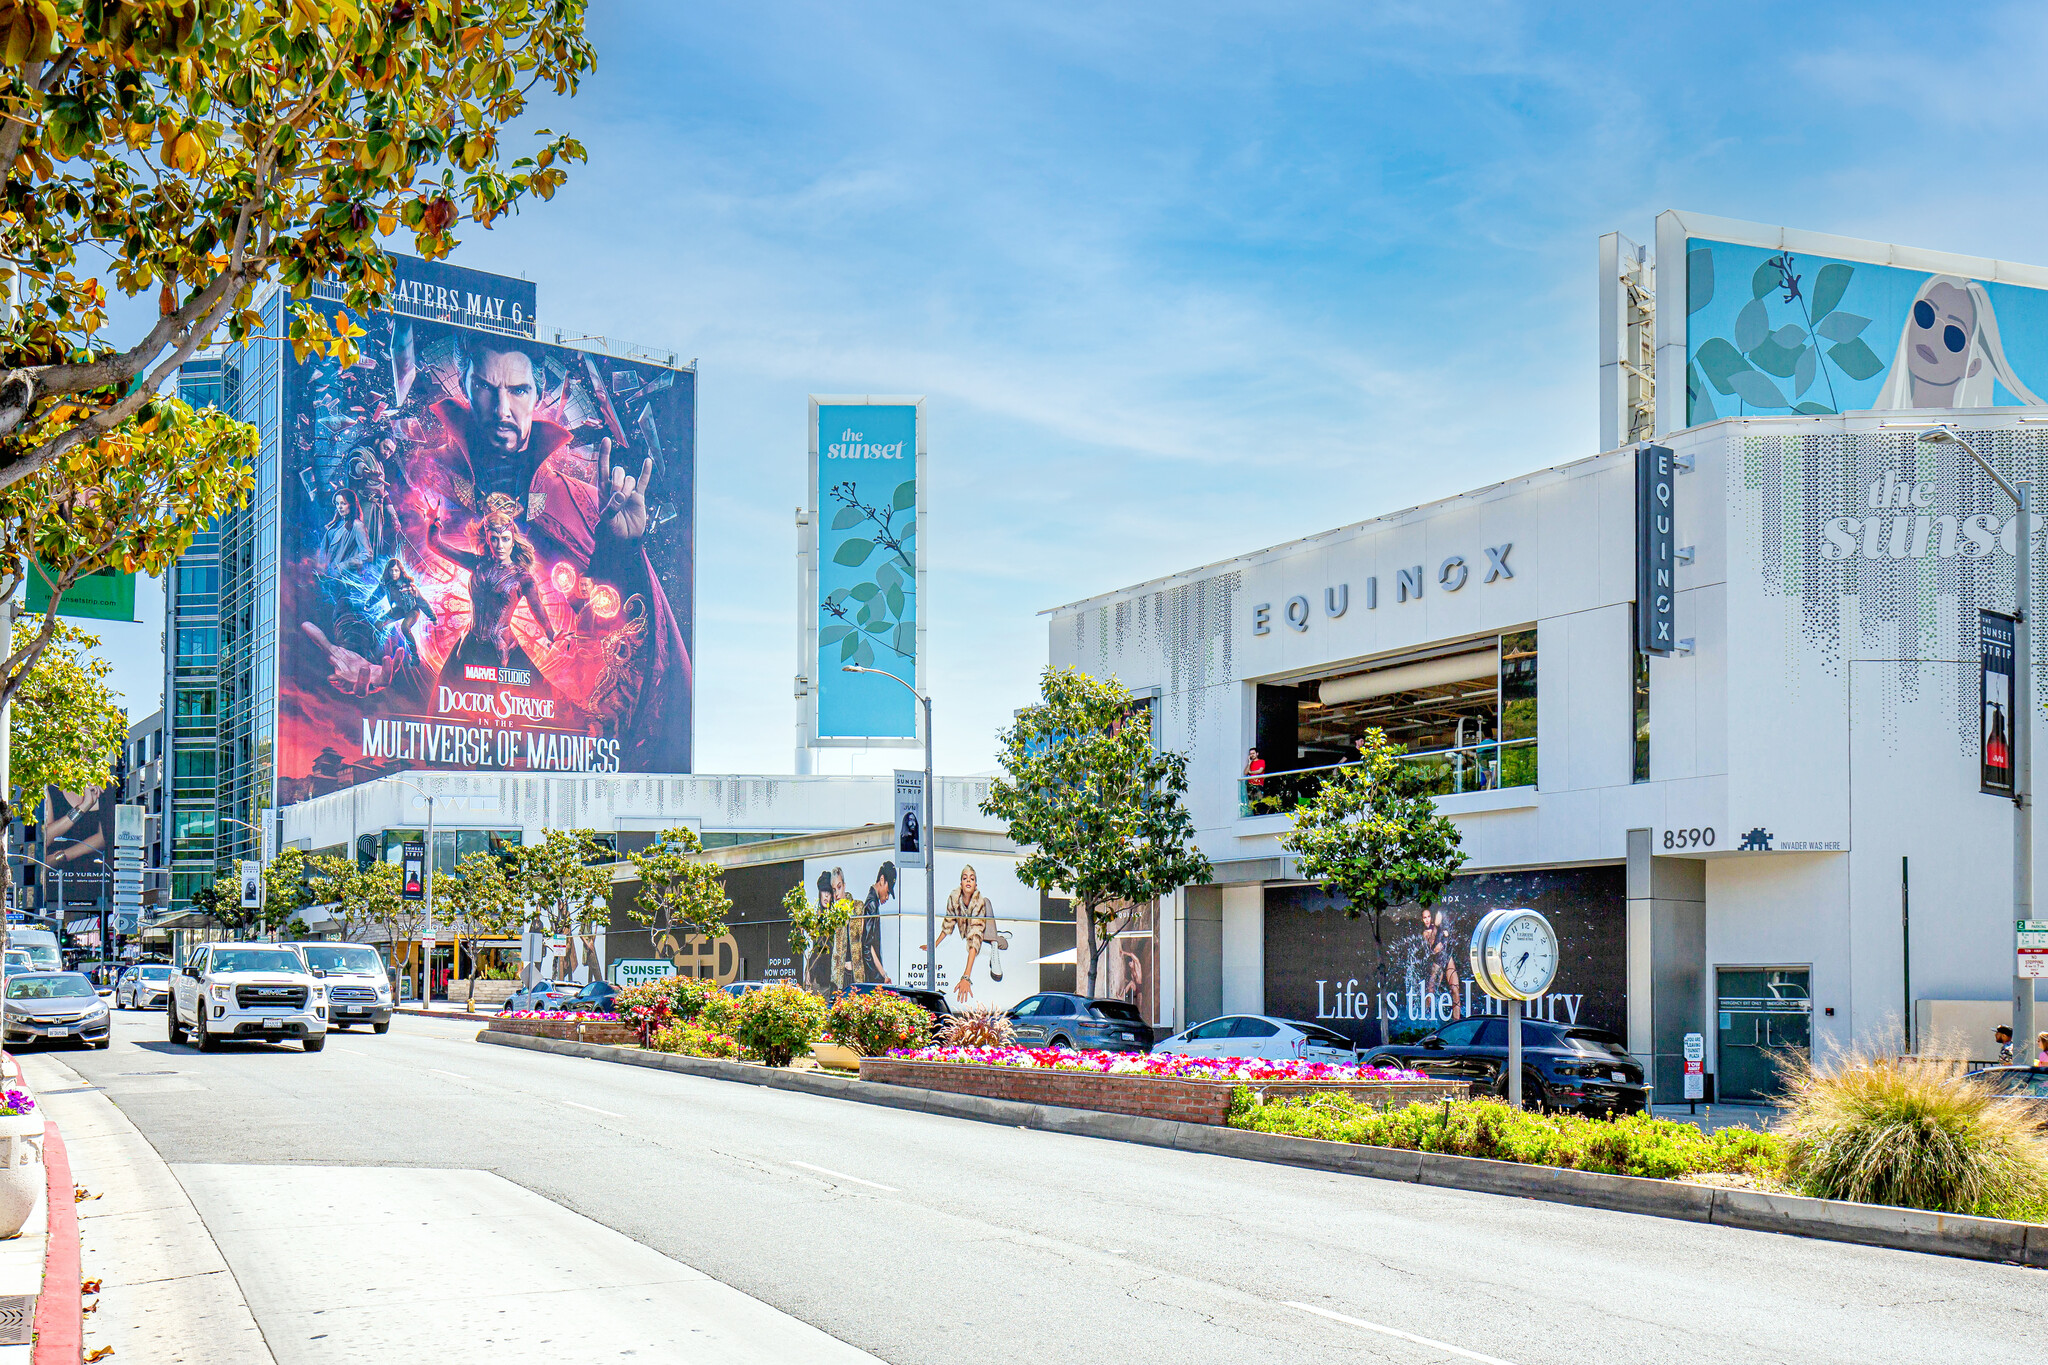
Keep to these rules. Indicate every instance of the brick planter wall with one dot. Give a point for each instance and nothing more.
(591, 1031)
(1151, 1097)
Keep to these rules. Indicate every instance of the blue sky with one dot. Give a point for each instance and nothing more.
(1180, 281)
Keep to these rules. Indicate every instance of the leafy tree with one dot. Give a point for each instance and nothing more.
(813, 928)
(476, 901)
(1372, 834)
(66, 729)
(336, 883)
(210, 146)
(679, 888)
(562, 884)
(379, 889)
(1100, 809)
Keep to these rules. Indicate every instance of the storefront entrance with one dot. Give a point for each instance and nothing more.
(1766, 1016)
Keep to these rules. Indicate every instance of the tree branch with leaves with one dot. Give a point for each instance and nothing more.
(208, 147)
(1372, 834)
(679, 887)
(66, 729)
(1101, 811)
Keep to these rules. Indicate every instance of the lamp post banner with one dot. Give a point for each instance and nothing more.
(911, 825)
(865, 544)
(1995, 732)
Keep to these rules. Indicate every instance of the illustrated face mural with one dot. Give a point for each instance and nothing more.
(1939, 353)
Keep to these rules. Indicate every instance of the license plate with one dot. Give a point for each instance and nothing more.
(273, 1023)
(1619, 1075)
(60, 1033)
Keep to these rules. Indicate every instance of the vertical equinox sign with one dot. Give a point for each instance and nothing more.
(867, 473)
(1656, 555)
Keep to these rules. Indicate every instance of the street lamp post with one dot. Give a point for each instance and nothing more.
(231, 820)
(931, 846)
(426, 892)
(2020, 492)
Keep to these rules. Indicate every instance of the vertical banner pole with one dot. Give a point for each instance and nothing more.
(2023, 757)
(1514, 1053)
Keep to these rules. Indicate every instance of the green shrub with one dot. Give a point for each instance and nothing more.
(717, 1011)
(688, 996)
(693, 1041)
(1917, 1133)
(1632, 1145)
(873, 1023)
(777, 1022)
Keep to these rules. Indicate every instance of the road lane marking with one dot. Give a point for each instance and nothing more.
(1444, 1346)
(592, 1108)
(456, 1074)
(841, 1175)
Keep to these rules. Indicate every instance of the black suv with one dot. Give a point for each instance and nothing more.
(1056, 1019)
(1582, 1070)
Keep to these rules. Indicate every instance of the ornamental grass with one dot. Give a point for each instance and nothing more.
(1635, 1144)
(1917, 1133)
(975, 1024)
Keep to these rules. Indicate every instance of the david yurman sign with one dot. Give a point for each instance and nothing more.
(1656, 551)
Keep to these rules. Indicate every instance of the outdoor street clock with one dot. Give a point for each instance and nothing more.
(1514, 954)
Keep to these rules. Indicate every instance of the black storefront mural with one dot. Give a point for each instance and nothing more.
(1320, 963)
(755, 946)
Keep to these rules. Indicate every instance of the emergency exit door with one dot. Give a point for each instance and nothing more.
(1766, 1020)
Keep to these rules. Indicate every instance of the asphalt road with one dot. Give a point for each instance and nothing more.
(926, 1239)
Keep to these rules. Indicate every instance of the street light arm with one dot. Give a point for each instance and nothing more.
(885, 673)
(1950, 436)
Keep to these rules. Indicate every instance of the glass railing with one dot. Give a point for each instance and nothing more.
(1442, 772)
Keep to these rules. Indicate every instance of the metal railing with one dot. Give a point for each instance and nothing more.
(1467, 768)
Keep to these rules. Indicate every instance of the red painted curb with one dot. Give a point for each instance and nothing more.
(60, 1316)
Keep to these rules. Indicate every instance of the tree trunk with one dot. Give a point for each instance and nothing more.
(1096, 944)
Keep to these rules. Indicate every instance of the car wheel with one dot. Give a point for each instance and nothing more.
(201, 1037)
(384, 1027)
(171, 1013)
(1059, 1044)
(313, 1043)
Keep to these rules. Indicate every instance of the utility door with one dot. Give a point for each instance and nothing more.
(1766, 1014)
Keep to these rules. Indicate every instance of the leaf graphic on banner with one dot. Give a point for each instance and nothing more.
(834, 633)
(906, 495)
(1752, 325)
(1805, 370)
(864, 656)
(861, 592)
(849, 647)
(848, 516)
(1764, 280)
(877, 628)
(836, 596)
(1841, 326)
(1757, 391)
(1772, 358)
(1856, 358)
(1720, 362)
(854, 552)
(895, 600)
(906, 639)
(886, 577)
(1828, 288)
(1699, 279)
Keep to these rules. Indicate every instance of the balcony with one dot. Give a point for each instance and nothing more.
(1491, 766)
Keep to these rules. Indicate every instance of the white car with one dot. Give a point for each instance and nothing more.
(143, 988)
(259, 991)
(358, 987)
(1259, 1035)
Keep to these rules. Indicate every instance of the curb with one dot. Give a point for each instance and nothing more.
(60, 1312)
(1876, 1225)
(440, 1014)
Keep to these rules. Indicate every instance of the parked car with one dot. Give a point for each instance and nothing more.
(736, 989)
(2026, 1086)
(56, 1007)
(1058, 1020)
(262, 991)
(1581, 1070)
(143, 987)
(932, 1002)
(541, 995)
(358, 984)
(596, 998)
(18, 961)
(1260, 1035)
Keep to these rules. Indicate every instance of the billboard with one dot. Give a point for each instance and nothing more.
(486, 551)
(865, 581)
(77, 835)
(1323, 965)
(1777, 322)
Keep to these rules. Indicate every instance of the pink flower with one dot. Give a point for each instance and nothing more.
(1162, 1064)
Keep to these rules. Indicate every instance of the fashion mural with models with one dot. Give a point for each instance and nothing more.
(485, 557)
(987, 941)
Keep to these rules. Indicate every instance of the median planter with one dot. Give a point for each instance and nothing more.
(21, 1161)
(1150, 1097)
(610, 1031)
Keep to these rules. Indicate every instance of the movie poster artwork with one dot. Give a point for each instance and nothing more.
(486, 560)
(1322, 965)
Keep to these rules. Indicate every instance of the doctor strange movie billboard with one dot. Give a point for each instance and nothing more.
(486, 560)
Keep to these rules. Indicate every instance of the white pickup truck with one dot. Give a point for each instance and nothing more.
(250, 991)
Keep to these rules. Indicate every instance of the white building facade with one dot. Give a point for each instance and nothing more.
(1775, 837)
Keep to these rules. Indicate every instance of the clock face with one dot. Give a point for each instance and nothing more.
(1527, 955)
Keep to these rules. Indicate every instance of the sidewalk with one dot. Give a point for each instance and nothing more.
(166, 1296)
(1712, 1118)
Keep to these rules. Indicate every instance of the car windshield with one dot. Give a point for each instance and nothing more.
(350, 958)
(1115, 1009)
(62, 987)
(256, 960)
(1316, 1033)
(45, 957)
(2018, 1081)
(155, 973)
(1599, 1043)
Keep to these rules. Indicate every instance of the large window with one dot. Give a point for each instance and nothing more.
(198, 642)
(1465, 714)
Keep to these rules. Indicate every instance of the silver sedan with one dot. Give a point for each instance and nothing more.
(143, 988)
